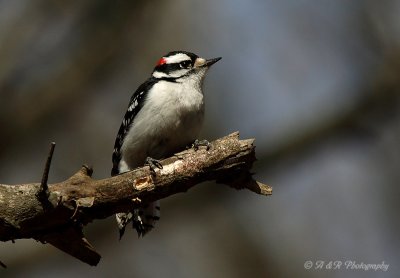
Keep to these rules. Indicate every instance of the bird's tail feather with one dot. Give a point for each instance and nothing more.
(143, 219)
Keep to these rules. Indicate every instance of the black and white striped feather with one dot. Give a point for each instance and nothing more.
(135, 104)
(139, 222)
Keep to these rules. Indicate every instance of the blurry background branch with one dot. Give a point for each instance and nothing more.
(379, 102)
(81, 199)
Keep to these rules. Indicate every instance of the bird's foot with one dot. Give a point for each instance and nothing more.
(153, 164)
(197, 143)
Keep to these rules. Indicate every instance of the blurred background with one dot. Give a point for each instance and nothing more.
(315, 82)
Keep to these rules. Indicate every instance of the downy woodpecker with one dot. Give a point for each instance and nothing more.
(164, 115)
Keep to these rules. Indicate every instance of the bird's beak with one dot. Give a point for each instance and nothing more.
(200, 62)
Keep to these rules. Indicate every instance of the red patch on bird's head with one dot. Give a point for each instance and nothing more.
(162, 61)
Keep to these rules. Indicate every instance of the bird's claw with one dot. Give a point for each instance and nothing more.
(197, 143)
(153, 164)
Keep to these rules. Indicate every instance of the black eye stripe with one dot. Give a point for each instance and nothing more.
(185, 64)
(167, 68)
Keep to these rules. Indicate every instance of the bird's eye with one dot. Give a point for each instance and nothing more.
(184, 64)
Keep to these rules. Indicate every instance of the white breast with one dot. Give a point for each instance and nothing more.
(170, 120)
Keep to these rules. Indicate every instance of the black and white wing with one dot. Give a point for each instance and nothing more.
(135, 104)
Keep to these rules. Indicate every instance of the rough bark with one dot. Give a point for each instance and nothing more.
(69, 205)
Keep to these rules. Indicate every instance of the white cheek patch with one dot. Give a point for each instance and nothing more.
(159, 74)
(177, 58)
(178, 73)
(174, 74)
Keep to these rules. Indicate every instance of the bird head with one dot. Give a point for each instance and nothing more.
(178, 64)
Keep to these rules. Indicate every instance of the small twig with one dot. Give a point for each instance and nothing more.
(46, 171)
(43, 193)
(2, 264)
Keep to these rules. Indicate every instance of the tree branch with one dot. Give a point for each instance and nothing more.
(81, 199)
